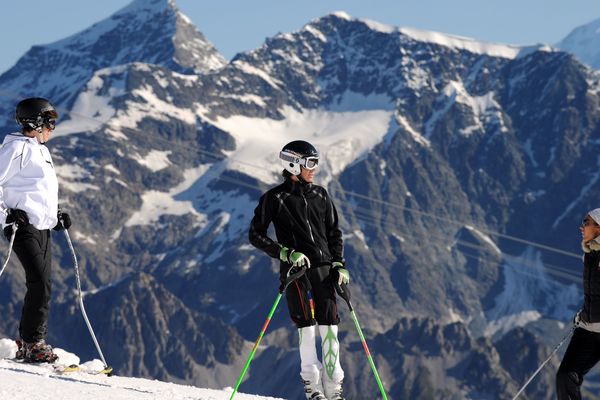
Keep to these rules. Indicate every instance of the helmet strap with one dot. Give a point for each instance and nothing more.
(40, 138)
(302, 181)
(39, 135)
(39, 129)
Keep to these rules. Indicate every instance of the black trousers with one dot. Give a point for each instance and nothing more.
(323, 293)
(32, 247)
(581, 355)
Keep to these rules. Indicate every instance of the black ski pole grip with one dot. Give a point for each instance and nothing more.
(343, 291)
(291, 277)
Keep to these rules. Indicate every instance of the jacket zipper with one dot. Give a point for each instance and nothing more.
(309, 227)
(589, 287)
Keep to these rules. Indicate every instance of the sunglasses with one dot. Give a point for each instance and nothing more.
(588, 222)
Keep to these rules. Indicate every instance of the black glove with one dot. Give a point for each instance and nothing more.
(64, 221)
(14, 215)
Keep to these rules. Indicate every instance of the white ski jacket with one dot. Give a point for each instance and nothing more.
(28, 180)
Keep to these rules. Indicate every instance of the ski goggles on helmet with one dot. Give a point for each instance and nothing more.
(307, 162)
(50, 123)
(310, 162)
(39, 122)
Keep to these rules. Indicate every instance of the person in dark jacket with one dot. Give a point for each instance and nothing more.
(583, 351)
(308, 236)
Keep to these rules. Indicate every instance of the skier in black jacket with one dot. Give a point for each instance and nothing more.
(584, 349)
(306, 226)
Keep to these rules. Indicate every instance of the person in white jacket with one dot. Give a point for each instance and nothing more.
(29, 202)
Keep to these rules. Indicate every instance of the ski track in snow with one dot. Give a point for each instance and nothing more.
(40, 382)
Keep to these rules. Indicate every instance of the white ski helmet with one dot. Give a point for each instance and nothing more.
(298, 153)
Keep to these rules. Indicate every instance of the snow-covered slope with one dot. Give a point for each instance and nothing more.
(584, 43)
(40, 382)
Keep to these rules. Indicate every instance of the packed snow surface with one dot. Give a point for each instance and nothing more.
(40, 382)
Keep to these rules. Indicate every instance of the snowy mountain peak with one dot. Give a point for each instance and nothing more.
(342, 15)
(425, 36)
(148, 6)
(584, 43)
(462, 43)
(148, 31)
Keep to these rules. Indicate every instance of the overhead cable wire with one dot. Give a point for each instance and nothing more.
(224, 157)
(369, 220)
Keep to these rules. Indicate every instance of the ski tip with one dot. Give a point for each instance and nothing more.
(108, 371)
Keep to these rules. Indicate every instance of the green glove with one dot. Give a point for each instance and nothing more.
(339, 273)
(293, 257)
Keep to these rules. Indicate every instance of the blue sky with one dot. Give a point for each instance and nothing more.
(240, 25)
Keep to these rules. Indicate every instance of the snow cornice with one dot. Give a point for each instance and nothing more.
(425, 36)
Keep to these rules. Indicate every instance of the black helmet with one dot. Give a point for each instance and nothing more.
(299, 153)
(34, 113)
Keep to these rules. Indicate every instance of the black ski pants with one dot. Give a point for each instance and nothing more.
(318, 282)
(32, 247)
(581, 355)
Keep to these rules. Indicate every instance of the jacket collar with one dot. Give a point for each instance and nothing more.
(297, 187)
(592, 245)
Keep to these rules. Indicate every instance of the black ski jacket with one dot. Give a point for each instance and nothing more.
(591, 287)
(305, 220)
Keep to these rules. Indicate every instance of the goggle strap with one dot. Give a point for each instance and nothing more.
(288, 157)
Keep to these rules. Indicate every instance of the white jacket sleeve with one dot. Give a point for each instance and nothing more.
(12, 159)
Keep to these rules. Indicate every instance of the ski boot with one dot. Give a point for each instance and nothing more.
(334, 391)
(337, 395)
(312, 391)
(39, 352)
(20, 355)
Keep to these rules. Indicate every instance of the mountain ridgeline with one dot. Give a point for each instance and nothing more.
(479, 153)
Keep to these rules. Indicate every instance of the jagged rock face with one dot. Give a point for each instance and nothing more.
(155, 170)
(145, 330)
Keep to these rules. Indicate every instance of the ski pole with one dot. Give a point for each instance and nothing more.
(107, 370)
(564, 339)
(344, 293)
(10, 246)
(289, 279)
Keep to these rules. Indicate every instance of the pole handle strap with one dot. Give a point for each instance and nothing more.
(10, 246)
(292, 275)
